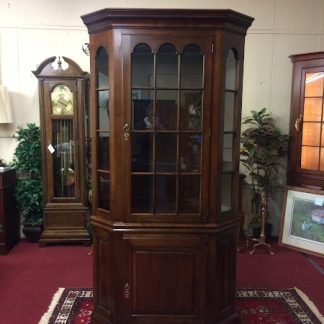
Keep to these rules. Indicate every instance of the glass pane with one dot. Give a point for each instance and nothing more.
(166, 152)
(192, 67)
(228, 147)
(142, 103)
(314, 84)
(322, 160)
(63, 158)
(142, 66)
(313, 109)
(226, 191)
(62, 100)
(166, 108)
(165, 194)
(103, 109)
(189, 194)
(230, 81)
(311, 134)
(227, 166)
(142, 152)
(229, 111)
(191, 110)
(309, 158)
(190, 152)
(103, 151)
(102, 123)
(167, 67)
(102, 69)
(142, 189)
(103, 190)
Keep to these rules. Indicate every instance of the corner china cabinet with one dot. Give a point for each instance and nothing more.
(62, 87)
(165, 111)
(306, 155)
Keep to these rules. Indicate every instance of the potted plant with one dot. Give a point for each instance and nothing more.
(263, 147)
(28, 190)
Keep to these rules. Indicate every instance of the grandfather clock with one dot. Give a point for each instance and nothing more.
(165, 110)
(62, 95)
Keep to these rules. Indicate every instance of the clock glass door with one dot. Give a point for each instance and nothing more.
(62, 141)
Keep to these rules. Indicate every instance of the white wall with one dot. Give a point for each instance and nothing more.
(33, 30)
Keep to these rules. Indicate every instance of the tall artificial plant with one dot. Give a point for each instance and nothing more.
(263, 147)
(27, 162)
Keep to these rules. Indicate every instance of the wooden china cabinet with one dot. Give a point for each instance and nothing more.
(62, 95)
(306, 149)
(9, 215)
(166, 88)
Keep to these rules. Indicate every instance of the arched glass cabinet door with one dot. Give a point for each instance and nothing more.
(102, 133)
(166, 130)
(310, 122)
(230, 134)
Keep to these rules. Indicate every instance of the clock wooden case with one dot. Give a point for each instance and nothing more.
(306, 147)
(62, 89)
(165, 111)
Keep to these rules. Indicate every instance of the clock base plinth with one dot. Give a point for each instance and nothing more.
(59, 236)
(65, 226)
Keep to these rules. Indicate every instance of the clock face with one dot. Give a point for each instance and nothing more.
(62, 100)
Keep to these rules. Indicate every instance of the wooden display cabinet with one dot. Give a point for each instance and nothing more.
(166, 88)
(9, 215)
(306, 147)
(62, 95)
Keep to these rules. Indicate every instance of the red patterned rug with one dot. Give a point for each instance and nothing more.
(288, 306)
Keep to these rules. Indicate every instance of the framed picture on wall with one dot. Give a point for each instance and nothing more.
(302, 220)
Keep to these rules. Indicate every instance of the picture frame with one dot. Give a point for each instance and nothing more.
(302, 220)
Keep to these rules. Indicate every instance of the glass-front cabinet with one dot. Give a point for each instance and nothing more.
(166, 89)
(62, 106)
(306, 157)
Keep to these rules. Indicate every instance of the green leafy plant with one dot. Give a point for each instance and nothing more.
(263, 147)
(27, 156)
(27, 162)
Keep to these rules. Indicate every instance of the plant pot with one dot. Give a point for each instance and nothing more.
(256, 231)
(32, 232)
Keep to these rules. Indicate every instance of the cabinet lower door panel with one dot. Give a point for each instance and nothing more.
(162, 278)
(166, 277)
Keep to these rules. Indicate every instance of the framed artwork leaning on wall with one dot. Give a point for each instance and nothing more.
(302, 220)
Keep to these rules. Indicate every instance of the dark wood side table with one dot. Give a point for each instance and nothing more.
(9, 215)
